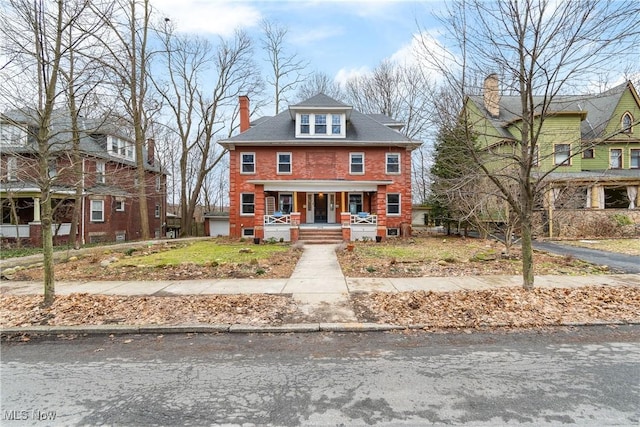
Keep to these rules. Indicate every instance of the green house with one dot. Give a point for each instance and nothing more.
(588, 146)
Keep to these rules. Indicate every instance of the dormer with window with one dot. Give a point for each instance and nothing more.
(10, 134)
(627, 122)
(320, 117)
(120, 148)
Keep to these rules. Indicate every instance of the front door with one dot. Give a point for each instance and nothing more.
(320, 208)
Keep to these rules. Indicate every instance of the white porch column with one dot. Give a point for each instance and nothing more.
(36, 209)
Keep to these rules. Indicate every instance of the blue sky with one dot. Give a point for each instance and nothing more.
(338, 38)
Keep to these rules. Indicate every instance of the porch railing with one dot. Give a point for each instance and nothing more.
(364, 218)
(277, 219)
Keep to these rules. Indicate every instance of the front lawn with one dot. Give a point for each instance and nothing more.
(449, 256)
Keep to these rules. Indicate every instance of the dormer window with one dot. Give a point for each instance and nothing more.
(627, 121)
(320, 125)
(304, 123)
(12, 135)
(121, 148)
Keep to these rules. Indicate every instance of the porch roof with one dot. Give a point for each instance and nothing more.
(316, 185)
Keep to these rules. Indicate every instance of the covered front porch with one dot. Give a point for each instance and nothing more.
(358, 208)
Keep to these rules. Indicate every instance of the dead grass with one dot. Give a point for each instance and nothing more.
(621, 246)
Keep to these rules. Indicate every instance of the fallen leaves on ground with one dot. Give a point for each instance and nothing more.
(86, 309)
(513, 306)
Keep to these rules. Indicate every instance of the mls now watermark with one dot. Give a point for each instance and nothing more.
(24, 415)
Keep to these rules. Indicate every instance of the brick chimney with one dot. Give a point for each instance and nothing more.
(244, 112)
(491, 95)
(151, 151)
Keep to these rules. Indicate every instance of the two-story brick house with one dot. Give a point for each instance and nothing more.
(106, 173)
(323, 164)
(588, 150)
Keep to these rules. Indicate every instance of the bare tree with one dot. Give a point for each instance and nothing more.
(286, 69)
(128, 60)
(543, 49)
(198, 116)
(319, 82)
(34, 32)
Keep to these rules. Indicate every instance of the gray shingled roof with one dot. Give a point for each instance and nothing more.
(599, 109)
(93, 138)
(361, 129)
(321, 101)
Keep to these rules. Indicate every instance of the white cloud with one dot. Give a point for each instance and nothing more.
(344, 74)
(310, 36)
(198, 16)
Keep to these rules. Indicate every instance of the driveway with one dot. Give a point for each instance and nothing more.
(620, 263)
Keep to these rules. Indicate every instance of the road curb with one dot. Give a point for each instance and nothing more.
(261, 329)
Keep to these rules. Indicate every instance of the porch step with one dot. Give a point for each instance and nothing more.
(320, 235)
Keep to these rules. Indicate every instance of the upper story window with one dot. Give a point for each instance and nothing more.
(336, 124)
(121, 148)
(588, 153)
(304, 123)
(12, 135)
(634, 159)
(393, 163)
(615, 158)
(627, 122)
(284, 163)
(52, 168)
(356, 163)
(158, 183)
(247, 163)
(100, 172)
(320, 125)
(562, 154)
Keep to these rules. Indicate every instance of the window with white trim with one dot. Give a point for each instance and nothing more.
(284, 163)
(320, 125)
(97, 211)
(562, 154)
(615, 158)
(247, 204)
(336, 124)
(12, 168)
(634, 159)
(356, 163)
(12, 135)
(100, 172)
(119, 204)
(52, 168)
(158, 183)
(248, 232)
(393, 163)
(304, 124)
(247, 163)
(393, 204)
(157, 211)
(120, 148)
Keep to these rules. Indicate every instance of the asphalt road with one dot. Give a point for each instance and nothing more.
(587, 376)
(620, 263)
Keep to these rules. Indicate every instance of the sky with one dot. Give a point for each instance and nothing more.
(338, 38)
